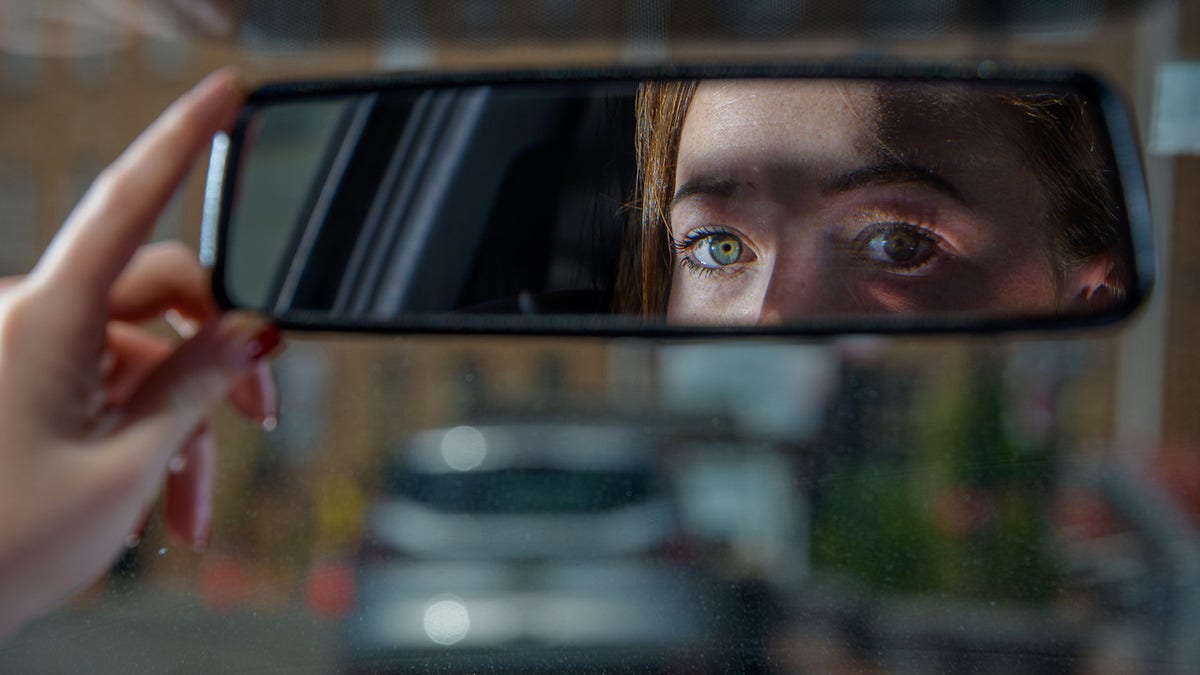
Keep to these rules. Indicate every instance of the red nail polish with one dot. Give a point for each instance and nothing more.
(264, 343)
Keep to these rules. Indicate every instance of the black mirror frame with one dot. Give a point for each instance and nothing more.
(1125, 157)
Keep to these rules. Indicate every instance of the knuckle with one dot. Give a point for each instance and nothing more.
(169, 265)
(116, 187)
(109, 181)
(173, 253)
(198, 392)
(110, 188)
(16, 318)
(124, 478)
(115, 477)
(8, 283)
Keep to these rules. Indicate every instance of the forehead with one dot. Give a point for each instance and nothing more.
(767, 131)
(766, 119)
(954, 124)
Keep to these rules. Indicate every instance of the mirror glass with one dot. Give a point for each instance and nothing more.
(682, 203)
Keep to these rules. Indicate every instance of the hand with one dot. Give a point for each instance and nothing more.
(93, 410)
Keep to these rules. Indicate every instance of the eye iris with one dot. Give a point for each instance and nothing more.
(901, 246)
(724, 249)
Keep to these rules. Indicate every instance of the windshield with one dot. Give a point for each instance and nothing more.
(939, 503)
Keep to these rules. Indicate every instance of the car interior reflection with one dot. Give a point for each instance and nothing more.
(740, 202)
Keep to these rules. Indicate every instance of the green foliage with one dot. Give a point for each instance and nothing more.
(868, 527)
(961, 511)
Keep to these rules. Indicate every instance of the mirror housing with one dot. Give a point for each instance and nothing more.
(870, 198)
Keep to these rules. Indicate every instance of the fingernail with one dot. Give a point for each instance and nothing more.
(177, 463)
(249, 339)
(269, 423)
(263, 343)
(132, 540)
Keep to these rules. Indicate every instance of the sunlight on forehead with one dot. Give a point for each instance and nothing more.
(740, 127)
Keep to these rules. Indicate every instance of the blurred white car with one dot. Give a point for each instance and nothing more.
(532, 547)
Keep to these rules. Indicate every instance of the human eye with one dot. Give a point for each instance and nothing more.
(710, 250)
(900, 247)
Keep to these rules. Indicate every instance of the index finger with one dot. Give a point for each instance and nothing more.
(120, 209)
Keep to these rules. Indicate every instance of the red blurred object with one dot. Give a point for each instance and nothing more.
(961, 511)
(1085, 514)
(223, 582)
(330, 590)
(1178, 470)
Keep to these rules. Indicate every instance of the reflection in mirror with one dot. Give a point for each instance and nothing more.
(704, 202)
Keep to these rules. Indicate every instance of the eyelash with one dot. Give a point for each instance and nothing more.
(935, 242)
(683, 247)
(879, 223)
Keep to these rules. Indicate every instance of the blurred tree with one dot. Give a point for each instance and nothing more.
(959, 510)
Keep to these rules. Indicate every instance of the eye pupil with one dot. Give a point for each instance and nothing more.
(724, 249)
(898, 247)
(901, 246)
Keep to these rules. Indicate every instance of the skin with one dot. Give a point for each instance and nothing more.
(845, 201)
(99, 415)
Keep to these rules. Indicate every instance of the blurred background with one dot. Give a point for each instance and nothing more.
(1017, 503)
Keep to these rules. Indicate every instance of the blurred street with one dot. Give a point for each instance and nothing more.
(154, 630)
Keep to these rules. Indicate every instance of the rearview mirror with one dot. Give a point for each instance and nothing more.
(802, 200)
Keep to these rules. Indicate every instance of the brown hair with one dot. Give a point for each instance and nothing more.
(644, 276)
(1059, 138)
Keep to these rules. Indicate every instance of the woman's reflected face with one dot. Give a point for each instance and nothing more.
(796, 199)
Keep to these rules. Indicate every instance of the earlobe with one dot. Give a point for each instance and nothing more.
(1093, 286)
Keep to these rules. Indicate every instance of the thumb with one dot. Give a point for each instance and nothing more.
(174, 399)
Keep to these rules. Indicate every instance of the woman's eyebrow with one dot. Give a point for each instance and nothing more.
(883, 173)
(886, 173)
(719, 187)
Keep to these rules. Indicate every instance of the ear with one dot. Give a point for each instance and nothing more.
(1093, 286)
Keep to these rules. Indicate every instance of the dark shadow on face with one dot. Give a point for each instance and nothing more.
(804, 198)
